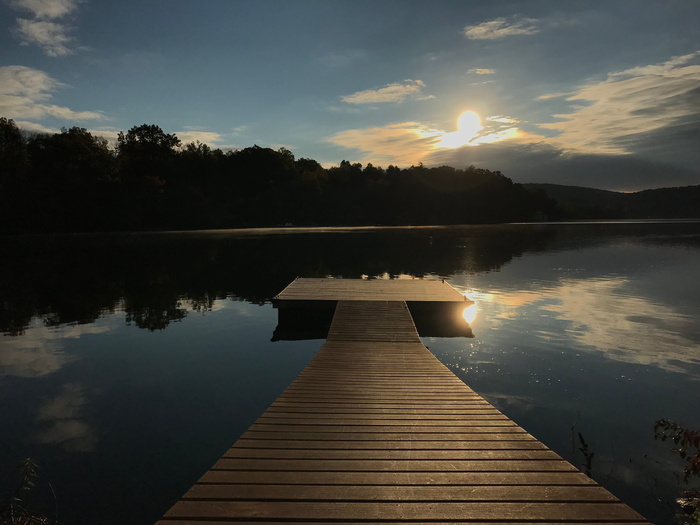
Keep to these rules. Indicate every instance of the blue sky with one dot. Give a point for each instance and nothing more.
(601, 94)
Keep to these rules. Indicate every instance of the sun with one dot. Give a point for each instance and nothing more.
(469, 123)
(468, 128)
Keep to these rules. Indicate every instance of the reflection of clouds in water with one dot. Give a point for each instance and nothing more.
(626, 328)
(39, 351)
(61, 419)
(505, 401)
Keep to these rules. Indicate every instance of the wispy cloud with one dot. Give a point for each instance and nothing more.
(25, 93)
(612, 114)
(401, 144)
(481, 71)
(46, 9)
(189, 135)
(108, 133)
(46, 29)
(502, 119)
(50, 36)
(396, 92)
(501, 28)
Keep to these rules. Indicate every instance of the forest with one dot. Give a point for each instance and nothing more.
(74, 181)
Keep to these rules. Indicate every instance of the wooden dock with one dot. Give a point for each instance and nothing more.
(407, 290)
(377, 430)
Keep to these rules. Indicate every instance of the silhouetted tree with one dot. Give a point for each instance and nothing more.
(263, 179)
(74, 175)
(14, 163)
(146, 156)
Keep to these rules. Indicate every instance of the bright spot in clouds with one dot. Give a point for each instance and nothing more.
(409, 143)
(468, 128)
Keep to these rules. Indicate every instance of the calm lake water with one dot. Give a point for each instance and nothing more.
(130, 363)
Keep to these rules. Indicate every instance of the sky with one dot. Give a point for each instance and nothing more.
(601, 94)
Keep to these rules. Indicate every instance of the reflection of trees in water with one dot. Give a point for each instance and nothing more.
(156, 278)
(154, 316)
(687, 446)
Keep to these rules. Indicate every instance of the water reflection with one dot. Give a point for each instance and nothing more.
(470, 313)
(60, 421)
(626, 328)
(598, 339)
(600, 315)
(584, 326)
(40, 350)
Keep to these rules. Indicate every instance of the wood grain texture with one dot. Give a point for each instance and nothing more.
(376, 429)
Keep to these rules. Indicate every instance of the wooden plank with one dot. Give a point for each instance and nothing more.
(305, 289)
(205, 521)
(370, 465)
(376, 429)
(372, 510)
(376, 397)
(386, 429)
(477, 434)
(401, 455)
(428, 493)
(273, 416)
(497, 420)
(432, 446)
(445, 478)
(380, 408)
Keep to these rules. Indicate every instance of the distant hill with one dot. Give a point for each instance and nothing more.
(588, 203)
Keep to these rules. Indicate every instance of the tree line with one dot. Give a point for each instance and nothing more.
(74, 181)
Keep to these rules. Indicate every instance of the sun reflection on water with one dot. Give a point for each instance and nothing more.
(469, 313)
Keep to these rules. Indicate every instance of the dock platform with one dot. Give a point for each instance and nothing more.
(376, 430)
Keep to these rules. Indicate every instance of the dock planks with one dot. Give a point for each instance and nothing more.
(377, 430)
(408, 290)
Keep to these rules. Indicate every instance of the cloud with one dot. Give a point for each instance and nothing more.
(501, 27)
(24, 93)
(617, 115)
(522, 156)
(529, 160)
(409, 143)
(502, 119)
(44, 29)
(402, 144)
(62, 419)
(46, 9)
(397, 92)
(110, 134)
(481, 71)
(211, 138)
(50, 36)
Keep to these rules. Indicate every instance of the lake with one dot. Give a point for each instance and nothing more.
(130, 362)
